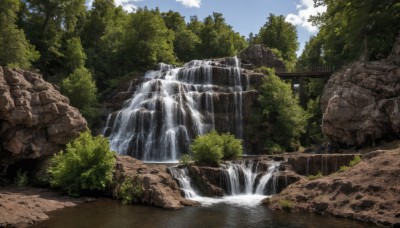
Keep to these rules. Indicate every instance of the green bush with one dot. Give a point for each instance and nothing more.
(232, 147)
(357, 159)
(212, 147)
(185, 159)
(130, 190)
(286, 205)
(343, 168)
(86, 164)
(314, 177)
(208, 148)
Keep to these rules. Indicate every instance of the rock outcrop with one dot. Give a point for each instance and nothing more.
(158, 187)
(368, 191)
(257, 55)
(361, 102)
(36, 120)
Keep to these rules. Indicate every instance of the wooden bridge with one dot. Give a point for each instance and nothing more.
(299, 76)
(310, 72)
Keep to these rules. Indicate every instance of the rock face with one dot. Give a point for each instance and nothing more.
(368, 191)
(258, 56)
(361, 102)
(159, 188)
(36, 120)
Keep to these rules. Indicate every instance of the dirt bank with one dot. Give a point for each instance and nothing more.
(22, 206)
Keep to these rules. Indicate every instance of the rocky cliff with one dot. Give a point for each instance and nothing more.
(258, 55)
(361, 102)
(36, 120)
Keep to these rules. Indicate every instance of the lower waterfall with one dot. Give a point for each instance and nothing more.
(244, 183)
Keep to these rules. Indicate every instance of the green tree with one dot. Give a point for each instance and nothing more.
(81, 89)
(232, 147)
(279, 34)
(357, 29)
(279, 108)
(86, 164)
(15, 49)
(74, 55)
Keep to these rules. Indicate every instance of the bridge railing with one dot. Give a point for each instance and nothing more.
(311, 69)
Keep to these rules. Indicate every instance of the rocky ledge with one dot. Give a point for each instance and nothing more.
(368, 191)
(20, 207)
(36, 120)
(158, 187)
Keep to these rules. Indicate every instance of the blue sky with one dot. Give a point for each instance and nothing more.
(244, 16)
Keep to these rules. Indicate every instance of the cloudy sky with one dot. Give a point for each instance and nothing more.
(244, 15)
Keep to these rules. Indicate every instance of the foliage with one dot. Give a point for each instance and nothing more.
(314, 177)
(279, 107)
(286, 205)
(273, 148)
(21, 179)
(357, 29)
(74, 55)
(15, 49)
(86, 164)
(130, 190)
(281, 35)
(343, 168)
(185, 159)
(208, 148)
(313, 133)
(232, 147)
(81, 89)
(357, 159)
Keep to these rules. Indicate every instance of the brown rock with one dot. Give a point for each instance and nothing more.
(36, 120)
(258, 55)
(368, 191)
(159, 188)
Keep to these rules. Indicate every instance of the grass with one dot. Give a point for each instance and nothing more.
(286, 205)
(357, 159)
(314, 177)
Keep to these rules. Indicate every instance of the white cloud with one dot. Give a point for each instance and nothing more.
(190, 3)
(305, 10)
(128, 5)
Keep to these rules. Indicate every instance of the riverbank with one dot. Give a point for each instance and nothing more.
(368, 191)
(23, 206)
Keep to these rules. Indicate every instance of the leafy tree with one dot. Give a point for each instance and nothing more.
(279, 34)
(74, 55)
(279, 108)
(86, 164)
(208, 148)
(81, 89)
(15, 49)
(357, 29)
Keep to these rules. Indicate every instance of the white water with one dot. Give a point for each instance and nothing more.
(245, 191)
(171, 108)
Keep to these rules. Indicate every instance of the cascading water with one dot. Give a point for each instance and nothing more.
(242, 181)
(172, 107)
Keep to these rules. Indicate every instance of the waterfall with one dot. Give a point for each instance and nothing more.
(174, 105)
(242, 178)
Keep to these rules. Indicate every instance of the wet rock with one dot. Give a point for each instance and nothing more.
(158, 187)
(36, 120)
(311, 164)
(258, 55)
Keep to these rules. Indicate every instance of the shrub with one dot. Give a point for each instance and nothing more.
(86, 164)
(21, 179)
(357, 159)
(130, 190)
(343, 168)
(286, 205)
(208, 148)
(185, 159)
(314, 177)
(232, 147)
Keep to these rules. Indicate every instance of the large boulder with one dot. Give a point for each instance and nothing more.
(158, 187)
(361, 102)
(259, 56)
(36, 120)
